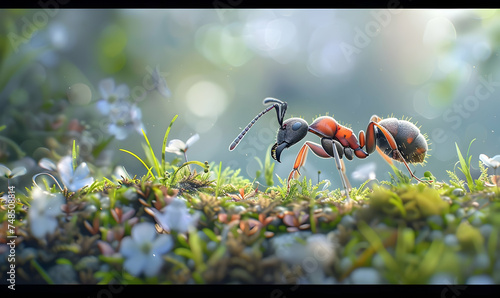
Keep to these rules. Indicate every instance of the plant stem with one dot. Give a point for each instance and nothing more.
(42, 272)
(16, 148)
(165, 143)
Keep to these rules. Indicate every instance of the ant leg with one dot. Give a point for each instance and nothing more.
(371, 144)
(340, 168)
(300, 160)
(349, 187)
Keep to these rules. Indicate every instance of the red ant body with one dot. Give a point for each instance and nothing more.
(398, 139)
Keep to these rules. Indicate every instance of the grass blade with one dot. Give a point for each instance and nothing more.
(465, 168)
(196, 249)
(146, 166)
(74, 155)
(431, 259)
(41, 271)
(156, 165)
(378, 246)
(172, 180)
(219, 180)
(165, 143)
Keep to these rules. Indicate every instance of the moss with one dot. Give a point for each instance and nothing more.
(469, 237)
(410, 202)
(407, 232)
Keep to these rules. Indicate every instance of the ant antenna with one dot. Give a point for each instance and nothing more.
(280, 107)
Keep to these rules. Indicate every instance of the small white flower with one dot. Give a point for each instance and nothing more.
(175, 216)
(364, 172)
(179, 147)
(73, 180)
(47, 164)
(125, 117)
(160, 83)
(143, 250)
(7, 173)
(321, 248)
(111, 95)
(43, 211)
(288, 249)
(120, 172)
(493, 162)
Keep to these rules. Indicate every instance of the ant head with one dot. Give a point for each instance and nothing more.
(292, 131)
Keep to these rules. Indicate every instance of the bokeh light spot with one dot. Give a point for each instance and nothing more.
(421, 103)
(112, 56)
(442, 92)
(233, 48)
(485, 13)
(439, 31)
(113, 41)
(79, 94)
(206, 99)
(222, 45)
(272, 37)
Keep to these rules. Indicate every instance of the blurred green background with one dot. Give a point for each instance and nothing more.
(439, 67)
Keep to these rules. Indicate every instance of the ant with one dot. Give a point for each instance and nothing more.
(399, 140)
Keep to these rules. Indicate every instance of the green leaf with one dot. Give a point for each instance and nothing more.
(105, 277)
(196, 249)
(107, 180)
(210, 234)
(74, 155)
(98, 149)
(377, 244)
(41, 271)
(176, 262)
(184, 252)
(405, 242)
(93, 186)
(64, 261)
(198, 278)
(217, 255)
(112, 196)
(182, 240)
(20, 153)
(465, 167)
(396, 201)
(261, 166)
(269, 168)
(312, 219)
(431, 259)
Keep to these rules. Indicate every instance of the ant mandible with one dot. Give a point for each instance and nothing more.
(398, 139)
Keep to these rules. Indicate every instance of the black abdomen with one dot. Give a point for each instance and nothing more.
(411, 143)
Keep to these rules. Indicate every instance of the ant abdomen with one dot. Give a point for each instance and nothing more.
(411, 143)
